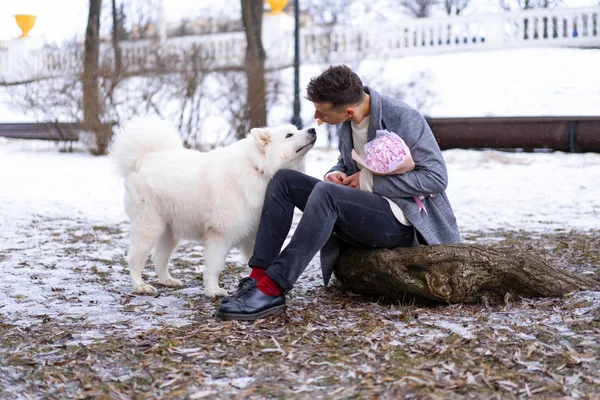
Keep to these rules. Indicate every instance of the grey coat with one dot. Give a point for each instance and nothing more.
(430, 176)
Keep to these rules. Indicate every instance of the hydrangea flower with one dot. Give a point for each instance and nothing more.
(386, 152)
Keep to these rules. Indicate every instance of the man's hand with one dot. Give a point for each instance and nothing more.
(336, 177)
(352, 180)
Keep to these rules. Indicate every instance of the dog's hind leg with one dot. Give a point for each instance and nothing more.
(248, 248)
(144, 235)
(162, 252)
(216, 248)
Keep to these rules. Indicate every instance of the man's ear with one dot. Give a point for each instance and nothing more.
(261, 135)
(350, 112)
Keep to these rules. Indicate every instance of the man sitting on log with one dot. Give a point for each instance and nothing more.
(352, 205)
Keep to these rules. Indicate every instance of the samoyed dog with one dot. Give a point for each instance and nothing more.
(173, 193)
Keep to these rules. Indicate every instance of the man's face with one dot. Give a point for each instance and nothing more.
(327, 113)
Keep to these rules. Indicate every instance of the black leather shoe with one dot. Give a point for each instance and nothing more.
(245, 284)
(251, 305)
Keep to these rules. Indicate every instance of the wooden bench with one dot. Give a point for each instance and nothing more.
(63, 131)
(563, 133)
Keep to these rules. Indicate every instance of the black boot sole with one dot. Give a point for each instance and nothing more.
(277, 310)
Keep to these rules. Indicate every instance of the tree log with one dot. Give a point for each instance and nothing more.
(458, 273)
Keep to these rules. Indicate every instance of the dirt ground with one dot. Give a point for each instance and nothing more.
(71, 328)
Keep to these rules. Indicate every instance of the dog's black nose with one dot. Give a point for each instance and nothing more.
(312, 130)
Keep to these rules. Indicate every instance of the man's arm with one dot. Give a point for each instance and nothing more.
(340, 166)
(429, 176)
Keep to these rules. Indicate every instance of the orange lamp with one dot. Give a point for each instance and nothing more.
(26, 23)
(277, 6)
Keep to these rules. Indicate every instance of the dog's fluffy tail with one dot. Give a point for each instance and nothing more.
(140, 137)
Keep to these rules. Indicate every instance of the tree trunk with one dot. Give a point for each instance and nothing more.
(91, 94)
(117, 66)
(116, 39)
(454, 274)
(252, 11)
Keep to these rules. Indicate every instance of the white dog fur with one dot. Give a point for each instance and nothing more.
(173, 193)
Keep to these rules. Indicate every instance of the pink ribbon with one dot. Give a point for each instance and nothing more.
(417, 200)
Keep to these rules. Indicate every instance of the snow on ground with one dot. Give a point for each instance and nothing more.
(64, 232)
(62, 215)
(528, 191)
(492, 190)
(524, 82)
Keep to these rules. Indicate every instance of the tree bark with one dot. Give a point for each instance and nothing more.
(117, 66)
(252, 11)
(454, 274)
(418, 8)
(92, 106)
(116, 39)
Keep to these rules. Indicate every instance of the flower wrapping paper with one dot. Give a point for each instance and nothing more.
(387, 154)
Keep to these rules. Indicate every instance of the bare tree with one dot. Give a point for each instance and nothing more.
(418, 91)
(252, 11)
(233, 90)
(92, 107)
(117, 67)
(231, 98)
(115, 38)
(328, 15)
(455, 7)
(143, 18)
(527, 4)
(190, 91)
(419, 8)
(179, 83)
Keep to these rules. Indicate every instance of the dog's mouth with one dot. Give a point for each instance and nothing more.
(306, 145)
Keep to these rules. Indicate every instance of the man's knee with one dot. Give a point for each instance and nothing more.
(282, 176)
(286, 175)
(325, 191)
(283, 179)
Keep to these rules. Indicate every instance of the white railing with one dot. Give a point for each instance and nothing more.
(565, 27)
(219, 50)
(578, 27)
(3, 58)
(532, 28)
(405, 38)
(3, 63)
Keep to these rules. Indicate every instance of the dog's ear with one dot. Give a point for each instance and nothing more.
(261, 135)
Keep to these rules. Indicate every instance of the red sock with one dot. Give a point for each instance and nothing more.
(257, 273)
(268, 286)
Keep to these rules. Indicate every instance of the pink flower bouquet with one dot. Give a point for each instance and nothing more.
(387, 154)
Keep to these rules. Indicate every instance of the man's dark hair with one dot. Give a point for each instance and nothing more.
(337, 85)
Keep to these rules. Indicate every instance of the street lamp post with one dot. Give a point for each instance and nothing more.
(296, 120)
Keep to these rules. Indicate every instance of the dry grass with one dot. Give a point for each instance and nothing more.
(97, 340)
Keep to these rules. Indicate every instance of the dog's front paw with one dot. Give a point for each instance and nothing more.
(144, 288)
(215, 292)
(171, 282)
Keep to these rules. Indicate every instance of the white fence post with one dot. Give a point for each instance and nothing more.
(277, 38)
(23, 59)
(495, 31)
(3, 59)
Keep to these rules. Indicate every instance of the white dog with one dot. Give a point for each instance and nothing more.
(173, 193)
